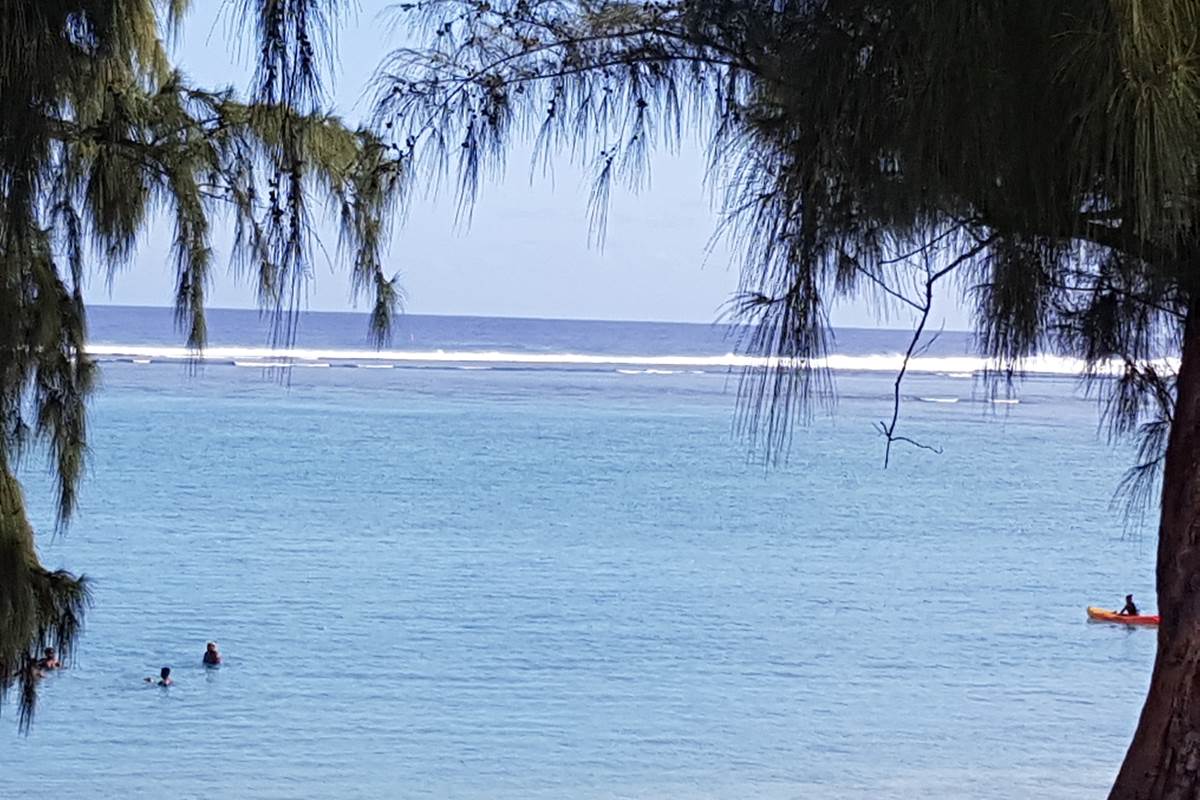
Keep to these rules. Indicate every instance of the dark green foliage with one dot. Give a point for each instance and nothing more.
(98, 136)
(860, 147)
(1042, 154)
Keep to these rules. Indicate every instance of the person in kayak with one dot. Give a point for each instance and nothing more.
(1130, 609)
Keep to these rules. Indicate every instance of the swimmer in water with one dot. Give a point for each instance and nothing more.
(212, 656)
(49, 660)
(164, 678)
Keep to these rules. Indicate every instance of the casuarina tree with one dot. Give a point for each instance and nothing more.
(99, 138)
(1040, 155)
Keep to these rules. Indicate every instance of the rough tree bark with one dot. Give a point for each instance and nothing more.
(1163, 762)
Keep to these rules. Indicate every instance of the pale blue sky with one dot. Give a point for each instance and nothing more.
(526, 251)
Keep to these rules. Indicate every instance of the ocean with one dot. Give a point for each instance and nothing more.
(534, 559)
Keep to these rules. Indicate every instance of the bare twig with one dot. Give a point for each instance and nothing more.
(924, 348)
(888, 429)
(882, 428)
(926, 247)
(882, 284)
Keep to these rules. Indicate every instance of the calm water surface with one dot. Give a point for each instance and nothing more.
(452, 583)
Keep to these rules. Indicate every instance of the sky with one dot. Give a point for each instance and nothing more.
(526, 251)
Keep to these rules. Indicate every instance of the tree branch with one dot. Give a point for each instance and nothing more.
(888, 429)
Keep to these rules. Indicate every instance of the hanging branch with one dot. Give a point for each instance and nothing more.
(925, 306)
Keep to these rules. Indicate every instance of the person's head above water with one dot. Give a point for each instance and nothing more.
(165, 673)
(211, 647)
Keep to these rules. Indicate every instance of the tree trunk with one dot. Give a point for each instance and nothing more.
(1163, 762)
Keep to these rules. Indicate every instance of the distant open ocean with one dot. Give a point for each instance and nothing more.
(244, 338)
(509, 558)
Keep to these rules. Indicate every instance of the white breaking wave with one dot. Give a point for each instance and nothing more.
(278, 364)
(885, 362)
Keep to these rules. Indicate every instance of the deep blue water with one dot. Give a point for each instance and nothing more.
(550, 582)
(125, 325)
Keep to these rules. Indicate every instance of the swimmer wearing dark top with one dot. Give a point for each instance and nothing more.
(212, 656)
(164, 678)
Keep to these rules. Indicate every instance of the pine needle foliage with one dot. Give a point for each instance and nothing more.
(1042, 155)
(99, 136)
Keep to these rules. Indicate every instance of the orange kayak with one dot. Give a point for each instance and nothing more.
(1104, 615)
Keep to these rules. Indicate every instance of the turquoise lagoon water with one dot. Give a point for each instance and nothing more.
(509, 579)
